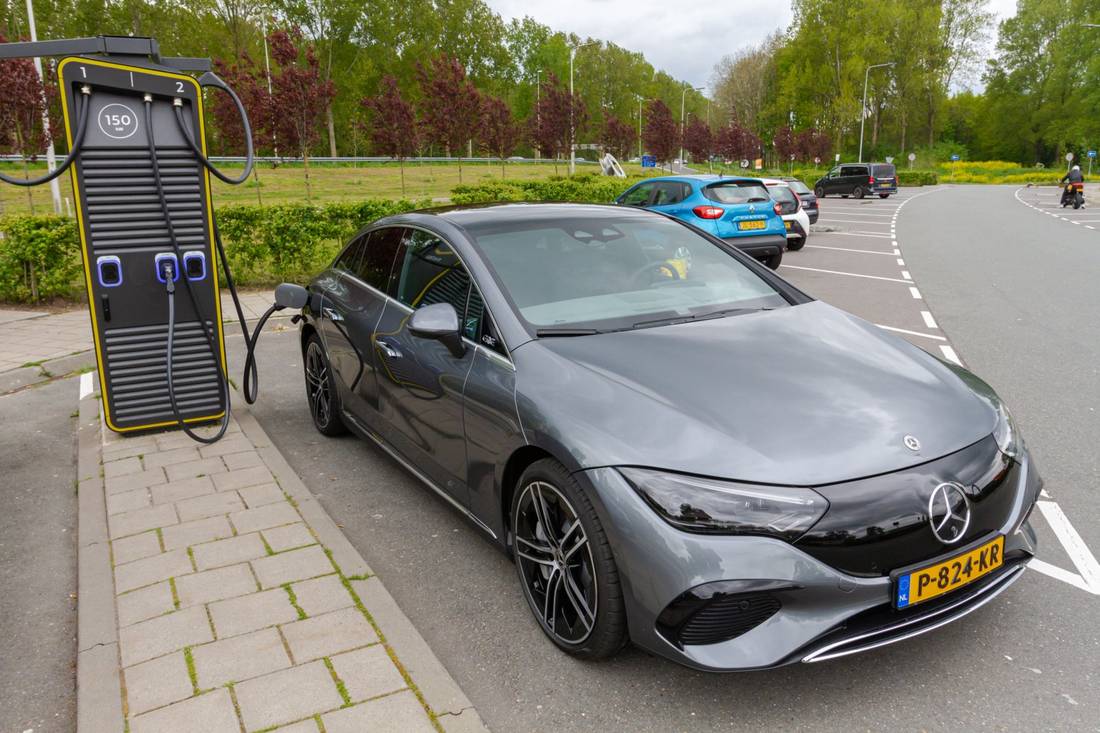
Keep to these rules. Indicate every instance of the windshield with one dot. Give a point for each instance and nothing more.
(575, 275)
(736, 192)
(799, 186)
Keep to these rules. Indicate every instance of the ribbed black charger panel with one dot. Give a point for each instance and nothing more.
(137, 366)
(124, 209)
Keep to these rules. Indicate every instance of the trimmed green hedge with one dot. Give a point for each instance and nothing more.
(39, 258)
(582, 189)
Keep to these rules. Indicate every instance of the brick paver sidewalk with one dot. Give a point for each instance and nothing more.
(37, 337)
(240, 606)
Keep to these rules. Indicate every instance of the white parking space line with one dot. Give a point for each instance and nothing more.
(912, 333)
(912, 291)
(830, 220)
(864, 231)
(949, 354)
(1076, 548)
(901, 262)
(928, 319)
(847, 249)
(849, 274)
(85, 384)
(853, 234)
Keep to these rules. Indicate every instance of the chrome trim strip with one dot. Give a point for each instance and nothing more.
(416, 472)
(822, 654)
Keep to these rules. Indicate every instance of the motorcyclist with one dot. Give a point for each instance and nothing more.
(1073, 185)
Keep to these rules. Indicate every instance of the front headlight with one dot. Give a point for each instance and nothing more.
(710, 506)
(1008, 437)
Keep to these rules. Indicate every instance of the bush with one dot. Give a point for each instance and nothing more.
(915, 177)
(39, 258)
(589, 188)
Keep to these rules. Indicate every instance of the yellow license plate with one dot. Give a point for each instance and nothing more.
(759, 224)
(788, 225)
(924, 584)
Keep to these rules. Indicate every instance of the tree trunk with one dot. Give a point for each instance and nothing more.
(305, 168)
(30, 198)
(331, 130)
(402, 164)
(256, 178)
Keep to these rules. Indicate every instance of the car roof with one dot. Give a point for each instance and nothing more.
(773, 182)
(473, 215)
(701, 178)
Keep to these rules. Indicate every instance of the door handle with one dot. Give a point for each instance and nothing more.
(332, 314)
(388, 349)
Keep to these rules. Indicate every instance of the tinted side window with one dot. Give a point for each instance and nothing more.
(637, 196)
(671, 192)
(428, 271)
(375, 264)
(853, 170)
(348, 261)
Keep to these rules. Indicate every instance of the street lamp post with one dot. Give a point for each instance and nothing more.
(51, 158)
(572, 129)
(640, 100)
(683, 100)
(538, 107)
(863, 108)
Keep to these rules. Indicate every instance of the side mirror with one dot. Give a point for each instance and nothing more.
(439, 322)
(289, 295)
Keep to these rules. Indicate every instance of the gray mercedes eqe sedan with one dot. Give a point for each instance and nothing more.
(677, 447)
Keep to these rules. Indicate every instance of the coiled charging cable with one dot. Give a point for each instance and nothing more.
(83, 102)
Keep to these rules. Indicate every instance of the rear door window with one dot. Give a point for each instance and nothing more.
(736, 192)
(378, 252)
(348, 261)
(428, 271)
(637, 196)
(671, 192)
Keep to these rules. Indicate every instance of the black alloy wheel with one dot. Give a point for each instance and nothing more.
(819, 192)
(773, 261)
(858, 192)
(795, 244)
(564, 563)
(321, 390)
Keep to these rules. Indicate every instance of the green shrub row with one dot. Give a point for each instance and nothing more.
(40, 255)
(582, 189)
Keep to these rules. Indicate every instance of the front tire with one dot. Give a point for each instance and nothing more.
(564, 563)
(321, 395)
(773, 261)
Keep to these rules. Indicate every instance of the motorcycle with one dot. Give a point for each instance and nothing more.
(1073, 193)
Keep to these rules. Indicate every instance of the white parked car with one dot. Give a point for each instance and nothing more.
(794, 216)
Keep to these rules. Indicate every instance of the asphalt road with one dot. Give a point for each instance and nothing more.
(38, 559)
(1026, 661)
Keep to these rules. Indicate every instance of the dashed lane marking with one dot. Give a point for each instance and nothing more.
(928, 319)
(912, 291)
(950, 355)
(905, 274)
(901, 262)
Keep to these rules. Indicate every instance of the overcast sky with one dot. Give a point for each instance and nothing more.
(685, 39)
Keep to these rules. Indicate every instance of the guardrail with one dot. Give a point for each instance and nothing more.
(365, 159)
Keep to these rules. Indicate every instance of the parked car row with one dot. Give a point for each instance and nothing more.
(760, 216)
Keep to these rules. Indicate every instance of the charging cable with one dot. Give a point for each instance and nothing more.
(83, 102)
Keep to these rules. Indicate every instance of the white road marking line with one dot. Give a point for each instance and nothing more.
(928, 319)
(896, 251)
(831, 220)
(912, 291)
(1076, 548)
(1058, 574)
(912, 333)
(864, 231)
(85, 384)
(853, 234)
(1071, 222)
(901, 262)
(905, 274)
(849, 274)
(895, 243)
(950, 355)
(847, 249)
(1088, 226)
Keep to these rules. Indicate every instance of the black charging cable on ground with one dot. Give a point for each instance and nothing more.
(83, 103)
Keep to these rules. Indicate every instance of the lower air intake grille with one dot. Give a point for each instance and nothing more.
(727, 617)
(137, 367)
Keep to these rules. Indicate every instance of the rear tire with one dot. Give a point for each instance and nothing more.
(321, 394)
(580, 608)
(858, 192)
(819, 192)
(843, 195)
(793, 245)
(773, 261)
(884, 195)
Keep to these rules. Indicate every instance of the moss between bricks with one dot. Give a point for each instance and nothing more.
(340, 686)
(189, 660)
(294, 601)
(175, 594)
(385, 645)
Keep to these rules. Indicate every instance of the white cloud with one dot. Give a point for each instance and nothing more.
(684, 40)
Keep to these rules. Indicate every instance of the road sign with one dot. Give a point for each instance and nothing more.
(648, 161)
(955, 158)
(838, 157)
(1069, 157)
(889, 159)
(744, 163)
(816, 160)
(912, 157)
(1092, 153)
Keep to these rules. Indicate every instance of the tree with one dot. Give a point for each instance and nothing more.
(300, 96)
(451, 105)
(785, 144)
(813, 145)
(698, 139)
(618, 137)
(549, 125)
(499, 132)
(745, 81)
(393, 124)
(735, 143)
(659, 131)
(251, 87)
(22, 101)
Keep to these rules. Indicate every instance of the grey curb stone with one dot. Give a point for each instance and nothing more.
(14, 379)
(99, 689)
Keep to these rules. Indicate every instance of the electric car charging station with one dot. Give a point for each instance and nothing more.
(137, 156)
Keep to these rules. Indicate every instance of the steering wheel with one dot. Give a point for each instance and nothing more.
(657, 265)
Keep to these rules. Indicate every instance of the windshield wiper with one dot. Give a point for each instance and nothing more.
(545, 332)
(673, 320)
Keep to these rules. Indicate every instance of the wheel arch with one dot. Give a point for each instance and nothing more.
(514, 467)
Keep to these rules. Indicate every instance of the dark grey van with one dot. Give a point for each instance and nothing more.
(858, 180)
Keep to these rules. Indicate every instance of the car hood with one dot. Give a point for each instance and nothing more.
(803, 396)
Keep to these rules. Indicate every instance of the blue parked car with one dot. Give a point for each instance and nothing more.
(738, 210)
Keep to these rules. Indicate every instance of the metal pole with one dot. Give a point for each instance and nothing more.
(267, 67)
(572, 131)
(538, 107)
(863, 109)
(51, 157)
(683, 97)
(639, 129)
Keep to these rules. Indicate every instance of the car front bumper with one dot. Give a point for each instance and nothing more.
(823, 613)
